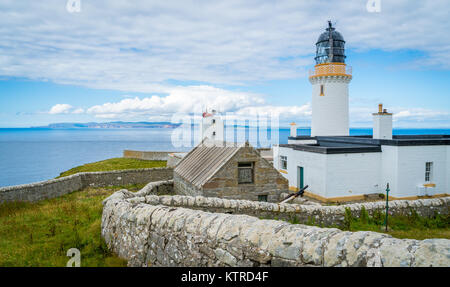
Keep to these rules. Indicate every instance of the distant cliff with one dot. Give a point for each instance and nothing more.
(111, 125)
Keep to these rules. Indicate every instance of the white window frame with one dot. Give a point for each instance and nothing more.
(283, 158)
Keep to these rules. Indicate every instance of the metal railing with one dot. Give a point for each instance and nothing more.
(331, 69)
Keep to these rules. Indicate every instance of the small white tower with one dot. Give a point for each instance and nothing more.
(212, 126)
(330, 79)
(293, 129)
(382, 124)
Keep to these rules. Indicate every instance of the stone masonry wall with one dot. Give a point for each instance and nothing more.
(57, 187)
(317, 214)
(184, 187)
(147, 155)
(267, 180)
(224, 184)
(160, 235)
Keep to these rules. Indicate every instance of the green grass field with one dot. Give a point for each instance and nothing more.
(115, 164)
(412, 226)
(39, 234)
(401, 226)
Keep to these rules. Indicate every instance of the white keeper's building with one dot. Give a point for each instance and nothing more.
(339, 167)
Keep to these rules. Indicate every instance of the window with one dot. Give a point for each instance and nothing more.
(214, 121)
(428, 171)
(321, 90)
(245, 172)
(214, 133)
(283, 162)
(262, 197)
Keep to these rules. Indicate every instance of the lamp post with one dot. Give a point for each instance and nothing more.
(387, 206)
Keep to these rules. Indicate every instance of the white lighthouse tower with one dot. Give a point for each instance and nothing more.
(330, 79)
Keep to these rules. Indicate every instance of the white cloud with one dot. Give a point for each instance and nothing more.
(191, 99)
(60, 109)
(402, 117)
(194, 100)
(283, 112)
(154, 46)
(78, 111)
(140, 46)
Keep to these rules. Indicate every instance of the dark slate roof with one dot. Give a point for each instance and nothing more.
(359, 144)
(397, 140)
(203, 161)
(333, 149)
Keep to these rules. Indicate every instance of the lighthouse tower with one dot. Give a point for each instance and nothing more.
(330, 79)
(212, 126)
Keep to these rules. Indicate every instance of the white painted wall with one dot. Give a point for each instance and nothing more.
(211, 130)
(382, 126)
(276, 156)
(302, 141)
(339, 175)
(314, 166)
(411, 169)
(353, 174)
(389, 168)
(448, 170)
(330, 116)
(293, 130)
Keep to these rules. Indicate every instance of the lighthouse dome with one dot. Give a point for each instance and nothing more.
(330, 47)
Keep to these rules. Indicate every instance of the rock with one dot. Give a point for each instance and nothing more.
(225, 257)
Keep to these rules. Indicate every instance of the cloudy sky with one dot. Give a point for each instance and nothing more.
(148, 60)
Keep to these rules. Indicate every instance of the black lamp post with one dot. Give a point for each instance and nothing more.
(387, 206)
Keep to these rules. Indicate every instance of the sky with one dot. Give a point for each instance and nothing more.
(114, 60)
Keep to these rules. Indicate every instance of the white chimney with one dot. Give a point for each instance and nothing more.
(382, 124)
(293, 129)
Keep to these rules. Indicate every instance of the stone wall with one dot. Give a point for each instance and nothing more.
(159, 235)
(317, 214)
(57, 187)
(267, 180)
(174, 158)
(41, 190)
(125, 177)
(147, 155)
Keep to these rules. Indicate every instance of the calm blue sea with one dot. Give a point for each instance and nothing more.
(30, 155)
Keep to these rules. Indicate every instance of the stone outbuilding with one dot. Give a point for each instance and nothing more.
(228, 170)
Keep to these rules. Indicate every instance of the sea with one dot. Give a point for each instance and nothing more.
(36, 154)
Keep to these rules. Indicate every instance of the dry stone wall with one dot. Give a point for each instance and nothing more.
(147, 155)
(317, 214)
(148, 230)
(57, 187)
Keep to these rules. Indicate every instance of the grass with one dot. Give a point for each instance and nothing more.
(114, 164)
(39, 234)
(410, 226)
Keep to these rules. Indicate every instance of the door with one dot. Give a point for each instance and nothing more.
(300, 182)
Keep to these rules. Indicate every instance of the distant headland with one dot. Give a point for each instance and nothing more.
(111, 125)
